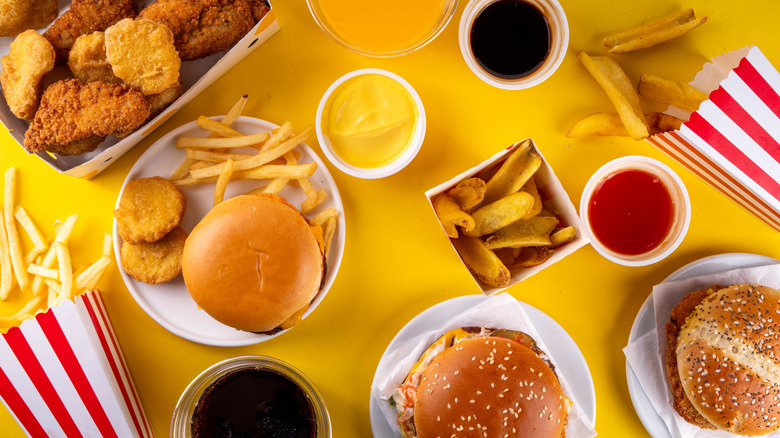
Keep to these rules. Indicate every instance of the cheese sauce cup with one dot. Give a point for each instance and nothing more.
(370, 123)
(636, 210)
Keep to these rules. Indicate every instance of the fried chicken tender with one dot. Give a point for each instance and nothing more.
(158, 102)
(72, 110)
(16, 16)
(87, 59)
(155, 262)
(83, 17)
(77, 147)
(204, 27)
(148, 209)
(142, 54)
(29, 58)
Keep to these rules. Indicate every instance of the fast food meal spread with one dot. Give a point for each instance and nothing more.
(229, 224)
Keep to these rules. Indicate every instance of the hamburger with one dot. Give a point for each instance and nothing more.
(254, 263)
(723, 358)
(482, 382)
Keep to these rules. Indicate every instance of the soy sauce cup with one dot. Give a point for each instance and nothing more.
(635, 210)
(516, 61)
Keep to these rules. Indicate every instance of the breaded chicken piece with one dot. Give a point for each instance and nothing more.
(149, 208)
(204, 27)
(87, 59)
(72, 110)
(83, 17)
(158, 102)
(16, 16)
(29, 58)
(155, 262)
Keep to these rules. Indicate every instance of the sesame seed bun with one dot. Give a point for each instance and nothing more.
(253, 262)
(491, 387)
(726, 359)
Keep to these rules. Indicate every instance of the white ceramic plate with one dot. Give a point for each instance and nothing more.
(169, 303)
(645, 321)
(569, 360)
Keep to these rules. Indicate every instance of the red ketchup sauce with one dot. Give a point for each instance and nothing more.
(631, 212)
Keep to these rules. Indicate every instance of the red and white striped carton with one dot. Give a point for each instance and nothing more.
(733, 141)
(63, 374)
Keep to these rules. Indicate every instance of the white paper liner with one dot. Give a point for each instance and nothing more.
(497, 311)
(646, 354)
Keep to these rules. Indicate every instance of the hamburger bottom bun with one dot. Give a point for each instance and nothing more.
(728, 358)
(493, 386)
(252, 262)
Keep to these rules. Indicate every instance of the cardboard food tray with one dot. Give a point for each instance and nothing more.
(550, 189)
(196, 76)
(732, 141)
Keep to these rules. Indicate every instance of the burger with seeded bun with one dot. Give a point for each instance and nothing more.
(254, 263)
(483, 383)
(723, 358)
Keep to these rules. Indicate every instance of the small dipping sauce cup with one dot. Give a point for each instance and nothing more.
(370, 123)
(636, 210)
(513, 44)
(247, 394)
(382, 29)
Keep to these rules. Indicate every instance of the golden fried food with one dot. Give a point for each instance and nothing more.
(158, 102)
(87, 60)
(77, 147)
(155, 262)
(142, 54)
(670, 92)
(482, 262)
(498, 214)
(516, 170)
(83, 17)
(148, 209)
(609, 124)
(468, 193)
(654, 33)
(72, 110)
(450, 215)
(16, 16)
(30, 57)
(204, 27)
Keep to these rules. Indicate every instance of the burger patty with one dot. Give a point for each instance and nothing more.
(680, 313)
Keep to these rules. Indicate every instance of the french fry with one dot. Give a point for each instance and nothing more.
(500, 213)
(482, 262)
(468, 193)
(329, 229)
(89, 277)
(14, 247)
(39, 242)
(325, 215)
(609, 124)
(532, 232)
(6, 269)
(660, 122)
(516, 170)
(65, 270)
(654, 33)
(222, 143)
(450, 215)
(51, 274)
(615, 83)
(222, 181)
(662, 90)
(108, 245)
(214, 157)
(216, 127)
(63, 236)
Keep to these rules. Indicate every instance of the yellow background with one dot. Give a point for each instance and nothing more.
(397, 261)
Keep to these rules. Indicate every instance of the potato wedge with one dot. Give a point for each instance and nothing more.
(531, 232)
(516, 170)
(450, 214)
(468, 193)
(609, 124)
(500, 213)
(482, 262)
(561, 236)
(618, 87)
(530, 256)
(657, 32)
(531, 189)
(662, 90)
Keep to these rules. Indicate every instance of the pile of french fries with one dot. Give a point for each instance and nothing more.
(45, 271)
(500, 224)
(212, 159)
(630, 120)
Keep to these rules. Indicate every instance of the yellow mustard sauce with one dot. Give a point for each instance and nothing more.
(370, 120)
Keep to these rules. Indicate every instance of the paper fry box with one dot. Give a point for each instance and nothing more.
(552, 193)
(733, 141)
(63, 374)
(196, 75)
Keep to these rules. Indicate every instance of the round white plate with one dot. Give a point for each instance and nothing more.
(568, 358)
(169, 303)
(645, 321)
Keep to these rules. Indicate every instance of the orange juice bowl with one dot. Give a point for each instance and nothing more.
(382, 29)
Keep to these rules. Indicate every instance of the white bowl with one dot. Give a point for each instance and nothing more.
(559, 43)
(418, 135)
(680, 201)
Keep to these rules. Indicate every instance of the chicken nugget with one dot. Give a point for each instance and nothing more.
(29, 58)
(148, 209)
(16, 16)
(87, 59)
(142, 54)
(155, 262)
(158, 102)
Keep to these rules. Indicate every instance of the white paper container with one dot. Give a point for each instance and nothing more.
(196, 76)
(64, 374)
(550, 189)
(733, 141)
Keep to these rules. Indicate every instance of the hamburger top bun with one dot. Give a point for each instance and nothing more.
(495, 386)
(729, 359)
(252, 262)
